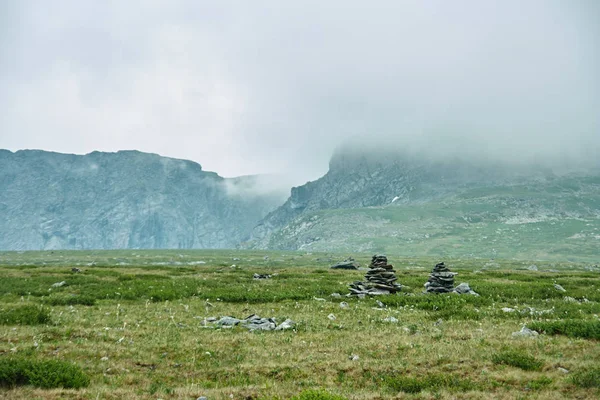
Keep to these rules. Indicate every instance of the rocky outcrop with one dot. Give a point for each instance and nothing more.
(121, 200)
(359, 178)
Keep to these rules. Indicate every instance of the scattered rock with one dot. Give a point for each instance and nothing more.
(563, 370)
(559, 288)
(75, 270)
(59, 284)
(104, 359)
(343, 304)
(438, 322)
(441, 280)
(348, 263)
(525, 332)
(228, 321)
(261, 276)
(464, 288)
(336, 295)
(202, 398)
(287, 324)
(354, 357)
(252, 323)
(532, 268)
(318, 298)
(379, 304)
(508, 309)
(570, 299)
(331, 317)
(381, 279)
(391, 319)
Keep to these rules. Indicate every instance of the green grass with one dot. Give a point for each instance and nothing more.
(317, 394)
(134, 322)
(431, 382)
(572, 328)
(24, 315)
(588, 378)
(41, 373)
(518, 359)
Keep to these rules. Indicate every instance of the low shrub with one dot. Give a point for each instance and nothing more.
(518, 360)
(408, 384)
(589, 378)
(44, 374)
(70, 300)
(571, 328)
(24, 315)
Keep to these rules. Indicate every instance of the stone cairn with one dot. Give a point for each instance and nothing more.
(381, 279)
(441, 280)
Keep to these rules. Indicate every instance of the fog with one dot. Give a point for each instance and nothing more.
(275, 87)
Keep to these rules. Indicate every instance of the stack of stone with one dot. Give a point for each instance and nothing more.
(441, 280)
(381, 279)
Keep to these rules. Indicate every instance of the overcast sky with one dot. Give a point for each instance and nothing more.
(247, 87)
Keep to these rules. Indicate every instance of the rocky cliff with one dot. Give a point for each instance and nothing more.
(121, 200)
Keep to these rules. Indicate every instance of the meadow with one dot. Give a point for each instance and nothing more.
(133, 324)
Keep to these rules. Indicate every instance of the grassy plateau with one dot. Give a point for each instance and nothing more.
(133, 325)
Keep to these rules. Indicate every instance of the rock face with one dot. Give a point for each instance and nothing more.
(441, 280)
(122, 200)
(381, 279)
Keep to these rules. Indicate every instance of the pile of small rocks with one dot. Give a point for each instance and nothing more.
(381, 279)
(261, 276)
(441, 280)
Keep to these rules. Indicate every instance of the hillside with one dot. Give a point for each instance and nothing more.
(120, 200)
(408, 206)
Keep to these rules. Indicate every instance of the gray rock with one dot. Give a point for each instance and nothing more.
(559, 288)
(59, 284)
(75, 270)
(348, 263)
(261, 276)
(343, 304)
(532, 268)
(391, 320)
(464, 288)
(228, 321)
(563, 370)
(525, 332)
(336, 295)
(287, 324)
(202, 398)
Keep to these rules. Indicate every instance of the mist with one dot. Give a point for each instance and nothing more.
(275, 87)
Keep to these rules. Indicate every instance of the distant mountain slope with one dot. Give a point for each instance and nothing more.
(394, 203)
(119, 200)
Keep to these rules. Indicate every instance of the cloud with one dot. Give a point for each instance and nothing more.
(269, 86)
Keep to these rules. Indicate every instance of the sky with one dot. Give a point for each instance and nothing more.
(246, 87)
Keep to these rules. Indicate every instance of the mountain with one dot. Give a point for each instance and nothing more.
(121, 200)
(389, 201)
